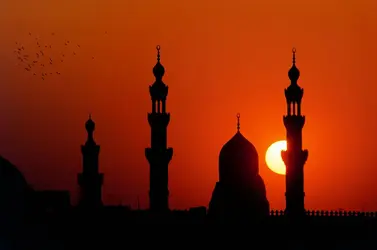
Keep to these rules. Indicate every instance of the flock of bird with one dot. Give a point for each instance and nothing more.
(41, 59)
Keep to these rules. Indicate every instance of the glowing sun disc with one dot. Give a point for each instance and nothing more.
(273, 157)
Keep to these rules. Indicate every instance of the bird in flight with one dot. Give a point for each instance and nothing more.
(38, 57)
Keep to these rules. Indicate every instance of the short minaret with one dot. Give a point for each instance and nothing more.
(294, 157)
(158, 155)
(90, 180)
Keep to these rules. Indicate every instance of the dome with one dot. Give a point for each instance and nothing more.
(10, 175)
(294, 73)
(158, 70)
(14, 194)
(240, 193)
(238, 160)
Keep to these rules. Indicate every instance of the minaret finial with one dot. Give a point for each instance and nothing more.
(158, 69)
(158, 52)
(294, 73)
(90, 127)
(294, 55)
(238, 122)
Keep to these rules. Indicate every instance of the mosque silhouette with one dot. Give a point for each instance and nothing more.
(239, 196)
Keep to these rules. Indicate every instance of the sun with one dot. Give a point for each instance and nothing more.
(273, 157)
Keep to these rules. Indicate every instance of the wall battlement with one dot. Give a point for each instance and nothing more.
(329, 213)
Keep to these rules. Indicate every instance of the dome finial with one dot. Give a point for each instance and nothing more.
(238, 122)
(158, 52)
(294, 55)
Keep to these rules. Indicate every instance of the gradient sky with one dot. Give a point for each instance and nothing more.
(221, 58)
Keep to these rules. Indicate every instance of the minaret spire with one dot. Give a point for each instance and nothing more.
(158, 90)
(158, 155)
(294, 157)
(294, 73)
(158, 69)
(90, 127)
(90, 180)
(294, 92)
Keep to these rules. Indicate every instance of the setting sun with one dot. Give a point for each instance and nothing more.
(273, 157)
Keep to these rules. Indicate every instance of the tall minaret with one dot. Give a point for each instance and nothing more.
(294, 157)
(158, 155)
(90, 180)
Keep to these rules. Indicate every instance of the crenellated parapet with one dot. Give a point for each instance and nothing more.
(330, 213)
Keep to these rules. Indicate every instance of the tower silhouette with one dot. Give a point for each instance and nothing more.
(90, 180)
(294, 157)
(158, 155)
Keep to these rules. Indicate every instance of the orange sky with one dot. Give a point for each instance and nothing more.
(220, 58)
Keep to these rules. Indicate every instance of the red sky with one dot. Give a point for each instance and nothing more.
(221, 58)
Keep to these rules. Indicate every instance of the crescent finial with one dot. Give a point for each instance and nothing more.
(294, 55)
(238, 121)
(158, 52)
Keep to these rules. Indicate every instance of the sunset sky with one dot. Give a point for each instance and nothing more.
(221, 58)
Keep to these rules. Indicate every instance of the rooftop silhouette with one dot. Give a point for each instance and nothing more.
(239, 195)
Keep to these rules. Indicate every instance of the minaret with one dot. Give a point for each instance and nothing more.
(158, 155)
(90, 180)
(294, 157)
